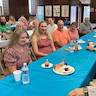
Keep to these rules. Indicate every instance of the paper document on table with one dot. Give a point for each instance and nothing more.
(91, 91)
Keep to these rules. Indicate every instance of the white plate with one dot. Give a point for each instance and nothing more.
(63, 72)
(43, 65)
(81, 41)
(94, 36)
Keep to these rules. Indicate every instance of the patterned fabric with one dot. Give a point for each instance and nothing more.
(4, 28)
(14, 57)
(44, 46)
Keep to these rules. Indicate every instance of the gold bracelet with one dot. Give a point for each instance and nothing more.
(85, 90)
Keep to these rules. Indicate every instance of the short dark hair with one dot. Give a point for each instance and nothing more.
(73, 23)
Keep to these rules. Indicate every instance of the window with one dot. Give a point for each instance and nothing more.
(29, 6)
(1, 3)
(1, 7)
(86, 12)
(73, 14)
(40, 13)
(32, 7)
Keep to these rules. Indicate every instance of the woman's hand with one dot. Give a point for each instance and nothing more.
(77, 92)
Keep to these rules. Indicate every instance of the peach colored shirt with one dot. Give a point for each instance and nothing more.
(73, 35)
(62, 37)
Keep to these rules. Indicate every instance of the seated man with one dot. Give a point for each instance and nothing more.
(3, 26)
(51, 25)
(61, 36)
(85, 27)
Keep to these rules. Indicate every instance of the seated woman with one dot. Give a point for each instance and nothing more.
(12, 23)
(17, 52)
(73, 31)
(11, 20)
(85, 91)
(24, 23)
(42, 42)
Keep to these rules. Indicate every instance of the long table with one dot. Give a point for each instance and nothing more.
(44, 82)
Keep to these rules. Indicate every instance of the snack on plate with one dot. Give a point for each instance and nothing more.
(63, 69)
(92, 47)
(66, 69)
(46, 64)
(58, 67)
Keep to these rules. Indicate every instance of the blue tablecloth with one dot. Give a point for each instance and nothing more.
(44, 82)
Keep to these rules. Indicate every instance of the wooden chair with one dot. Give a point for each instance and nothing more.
(33, 56)
(3, 69)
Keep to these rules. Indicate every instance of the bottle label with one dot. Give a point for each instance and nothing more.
(25, 72)
(25, 78)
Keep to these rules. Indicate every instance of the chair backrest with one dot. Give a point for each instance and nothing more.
(33, 56)
(1, 65)
(3, 68)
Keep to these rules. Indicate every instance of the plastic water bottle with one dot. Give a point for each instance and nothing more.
(76, 46)
(25, 74)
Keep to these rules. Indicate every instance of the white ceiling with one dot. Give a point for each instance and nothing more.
(85, 1)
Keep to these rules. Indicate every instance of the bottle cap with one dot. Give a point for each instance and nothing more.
(24, 64)
(47, 60)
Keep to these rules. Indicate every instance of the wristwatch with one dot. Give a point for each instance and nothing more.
(85, 90)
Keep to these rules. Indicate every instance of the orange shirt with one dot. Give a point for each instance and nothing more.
(62, 37)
